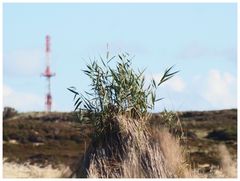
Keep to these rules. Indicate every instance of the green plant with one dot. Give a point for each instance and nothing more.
(116, 91)
(172, 122)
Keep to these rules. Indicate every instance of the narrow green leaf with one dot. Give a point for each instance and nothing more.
(77, 106)
(159, 99)
(102, 61)
(111, 59)
(154, 83)
(73, 91)
(77, 101)
(120, 57)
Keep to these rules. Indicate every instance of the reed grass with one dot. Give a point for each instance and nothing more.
(116, 91)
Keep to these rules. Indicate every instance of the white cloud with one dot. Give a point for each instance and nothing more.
(23, 63)
(21, 101)
(220, 89)
(175, 84)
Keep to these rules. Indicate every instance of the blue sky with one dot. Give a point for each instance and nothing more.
(199, 39)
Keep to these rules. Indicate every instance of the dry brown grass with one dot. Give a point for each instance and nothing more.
(155, 155)
(174, 153)
(176, 159)
(142, 158)
(228, 166)
(164, 157)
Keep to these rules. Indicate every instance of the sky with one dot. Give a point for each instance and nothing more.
(200, 40)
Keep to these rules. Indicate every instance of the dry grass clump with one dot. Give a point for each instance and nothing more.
(141, 158)
(147, 155)
(174, 153)
(228, 166)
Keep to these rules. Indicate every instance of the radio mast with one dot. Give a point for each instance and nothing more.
(48, 74)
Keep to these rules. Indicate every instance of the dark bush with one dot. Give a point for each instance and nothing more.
(222, 135)
(35, 138)
(9, 112)
(14, 136)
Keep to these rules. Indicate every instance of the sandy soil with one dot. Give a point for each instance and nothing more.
(14, 170)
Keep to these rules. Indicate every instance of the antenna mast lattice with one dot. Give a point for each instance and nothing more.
(48, 74)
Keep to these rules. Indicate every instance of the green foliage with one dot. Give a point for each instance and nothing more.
(172, 122)
(114, 91)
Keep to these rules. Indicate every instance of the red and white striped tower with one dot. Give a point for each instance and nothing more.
(48, 74)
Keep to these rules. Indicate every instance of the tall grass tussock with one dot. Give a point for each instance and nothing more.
(118, 106)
